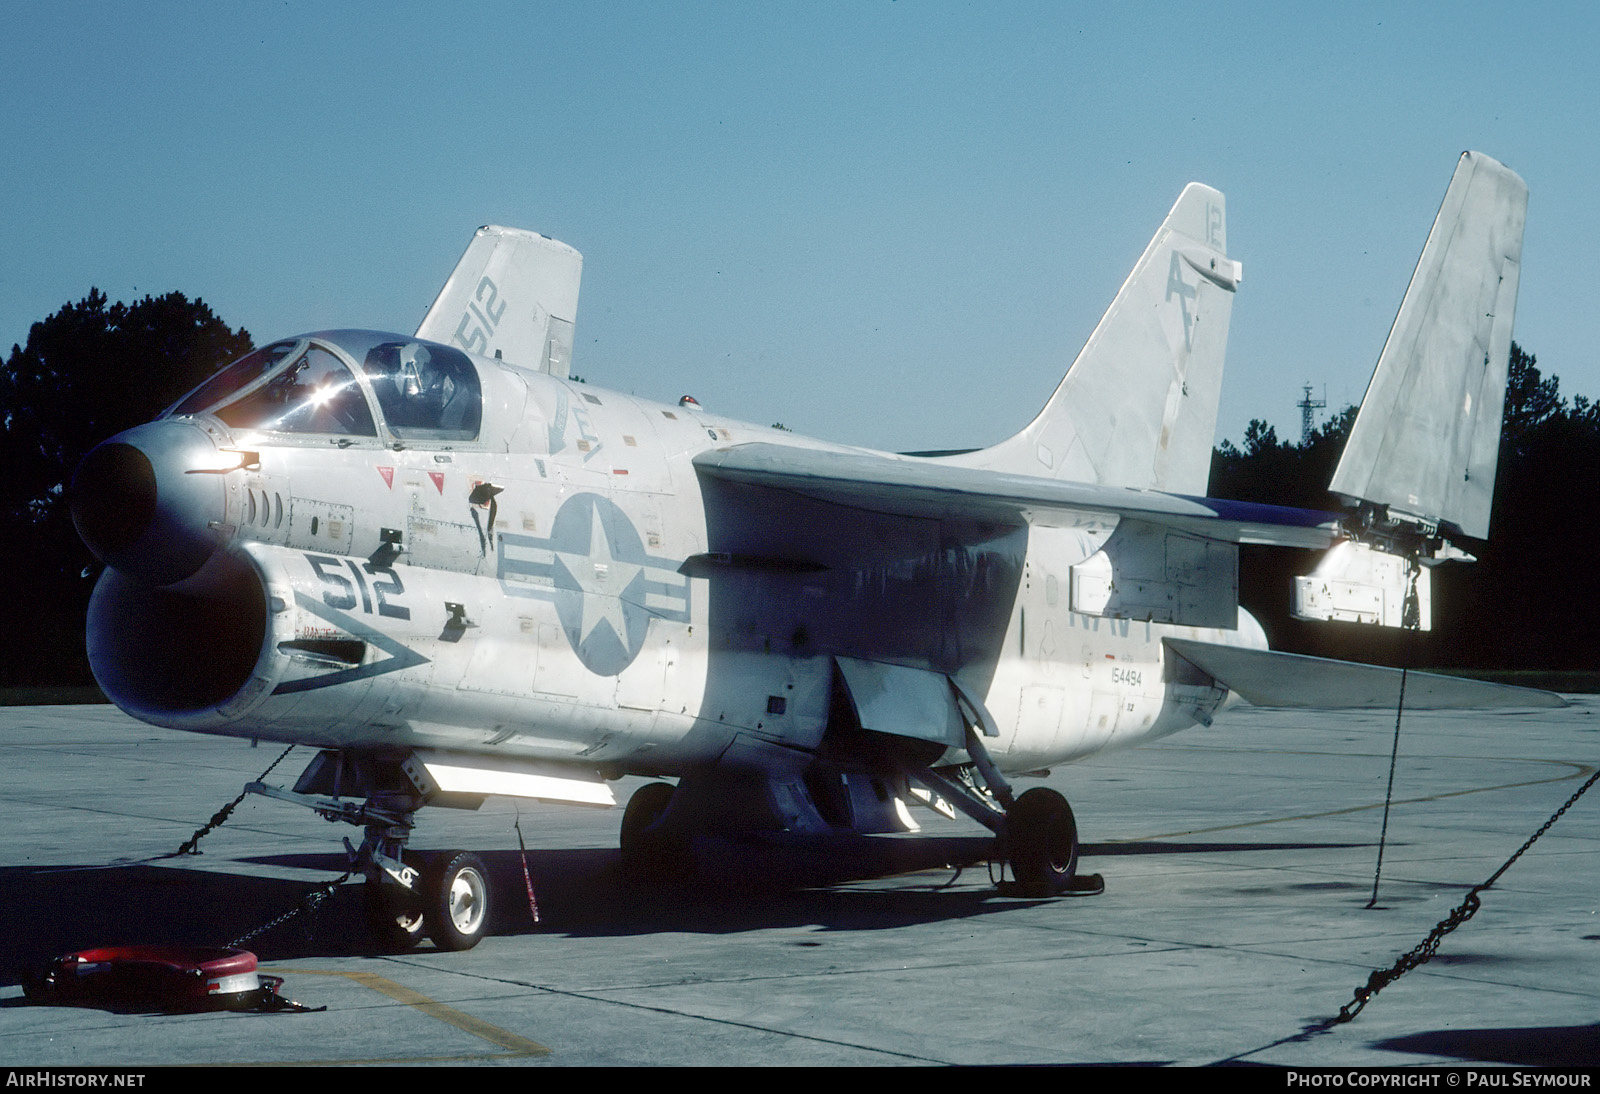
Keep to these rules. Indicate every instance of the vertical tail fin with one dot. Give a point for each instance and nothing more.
(514, 294)
(1427, 439)
(1138, 407)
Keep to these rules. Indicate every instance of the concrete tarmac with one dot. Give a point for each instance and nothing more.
(1238, 864)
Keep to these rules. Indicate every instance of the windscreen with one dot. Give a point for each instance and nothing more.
(236, 377)
(317, 393)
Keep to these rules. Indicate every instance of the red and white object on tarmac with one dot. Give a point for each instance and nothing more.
(173, 978)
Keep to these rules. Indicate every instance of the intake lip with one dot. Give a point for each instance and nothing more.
(150, 502)
(166, 653)
(113, 498)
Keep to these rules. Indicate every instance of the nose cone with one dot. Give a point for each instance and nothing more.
(148, 501)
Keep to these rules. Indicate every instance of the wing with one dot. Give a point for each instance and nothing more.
(933, 488)
(1428, 435)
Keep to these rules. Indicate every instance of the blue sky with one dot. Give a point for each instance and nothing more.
(890, 224)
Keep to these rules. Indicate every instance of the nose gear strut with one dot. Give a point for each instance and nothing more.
(450, 901)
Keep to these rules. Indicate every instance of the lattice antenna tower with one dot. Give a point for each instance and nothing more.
(1308, 419)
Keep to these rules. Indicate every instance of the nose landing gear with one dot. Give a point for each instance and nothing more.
(394, 916)
(449, 900)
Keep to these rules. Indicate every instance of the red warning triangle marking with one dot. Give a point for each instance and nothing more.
(438, 479)
(388, 476)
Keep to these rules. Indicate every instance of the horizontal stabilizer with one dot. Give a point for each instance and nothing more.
(1427, 438)
(1265, 678)
(513, 295)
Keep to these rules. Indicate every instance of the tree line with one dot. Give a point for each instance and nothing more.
(88, 371)
(95, 368)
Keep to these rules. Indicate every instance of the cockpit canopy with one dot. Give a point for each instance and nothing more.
(325, 383)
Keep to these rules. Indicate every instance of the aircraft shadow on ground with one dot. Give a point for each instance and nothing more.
(1532, 1046)
(56, 910)
(739, 885)
(1175, 847)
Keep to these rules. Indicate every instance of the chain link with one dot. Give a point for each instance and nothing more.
(308, 903)
(1411, 621)
(1424, 950)
(221, 815)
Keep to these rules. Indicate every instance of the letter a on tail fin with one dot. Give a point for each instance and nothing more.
(1138, 408)
(513, 295)
(1427, 438)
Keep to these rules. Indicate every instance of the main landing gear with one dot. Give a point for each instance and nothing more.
(448, 898)
(1036, 831)
(651, 847)
(1042, 842)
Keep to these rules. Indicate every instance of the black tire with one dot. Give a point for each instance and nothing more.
(394, 916)
(644, 811)
(1042, 839)
(458, 901)
(647, 850)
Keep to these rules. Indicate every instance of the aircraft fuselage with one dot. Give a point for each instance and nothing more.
(564, 585)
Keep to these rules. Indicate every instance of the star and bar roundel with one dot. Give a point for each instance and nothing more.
(606, 589)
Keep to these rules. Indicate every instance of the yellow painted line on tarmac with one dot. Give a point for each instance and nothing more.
(382, 1061)
(442, 1012)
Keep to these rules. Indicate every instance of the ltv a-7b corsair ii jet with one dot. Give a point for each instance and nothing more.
(456, 572)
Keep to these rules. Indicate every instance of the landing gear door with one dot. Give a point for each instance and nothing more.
(905, 702)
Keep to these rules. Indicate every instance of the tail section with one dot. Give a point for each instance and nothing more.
(1427, 438)
(1138, 407)
(513, 295)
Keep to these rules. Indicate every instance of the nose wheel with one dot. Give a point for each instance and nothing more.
(457, 894)
(394, 916)
(450, 904)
